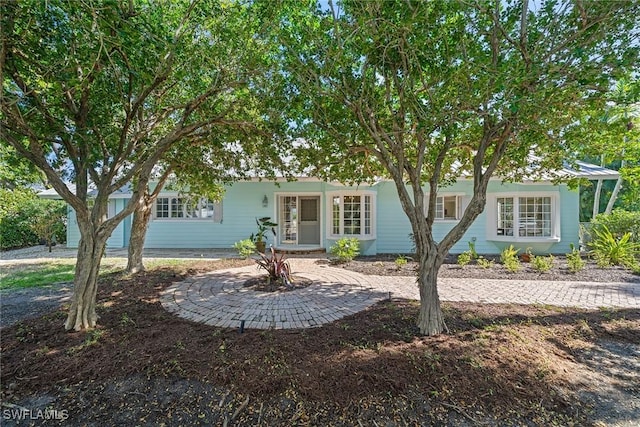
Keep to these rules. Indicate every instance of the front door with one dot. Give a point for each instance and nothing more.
(299, 220)
(309, 222)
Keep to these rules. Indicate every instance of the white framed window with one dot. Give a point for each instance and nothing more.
(352, 214)
(524, 217)
(448, 207)
(534, 219)
(176, 207)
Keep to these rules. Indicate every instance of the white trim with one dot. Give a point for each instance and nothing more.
(216, 218)
(459, 202)
(492, 216)
(329, 213)
(111, 208)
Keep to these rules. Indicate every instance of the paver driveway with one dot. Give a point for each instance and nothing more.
(219, 298)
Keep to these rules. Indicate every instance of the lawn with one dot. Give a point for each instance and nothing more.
(20, 276)
(499, 365)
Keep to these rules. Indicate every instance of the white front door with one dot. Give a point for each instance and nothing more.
(299, 220)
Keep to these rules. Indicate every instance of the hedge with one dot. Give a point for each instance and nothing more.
(20, 212)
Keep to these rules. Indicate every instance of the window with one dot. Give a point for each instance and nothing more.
(505, 216)
(352, 215)
(447, 207)
(185, 208)
(535, 216)
(526, 217)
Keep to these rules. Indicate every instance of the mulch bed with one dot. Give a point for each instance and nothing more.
(501, 364)
(385, 265)
(261, 284)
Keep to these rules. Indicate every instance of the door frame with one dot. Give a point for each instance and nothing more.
(299, 194)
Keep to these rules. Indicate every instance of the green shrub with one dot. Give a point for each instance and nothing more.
(485, 263)
(619, 222)
(345, 249)
(609, 250)
(472, 250)
(245, 247)
(401, 261)
(574, 260)
(542, 263)
(509, 258)
(23, 216)
(464, 258)
(509, 252)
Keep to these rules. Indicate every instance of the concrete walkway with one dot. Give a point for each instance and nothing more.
(41, 253)
(219, 298)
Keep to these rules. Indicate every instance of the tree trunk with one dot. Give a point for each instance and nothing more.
(430, 318)
(141, 217)
(140, 222)
(82, 313)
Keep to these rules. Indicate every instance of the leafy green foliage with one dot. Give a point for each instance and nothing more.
(464, 258)
(50, 222)
(345, 249)
(542, 263)
(245, 247)
(618, 222)
(407, 89)
(485, 263)
(574, 260)
(277, 268)
(609, 134)
(15, 170)
(400, 261)
(609, 250)
(509, 252)
(264, 225)
(472, 250)
(509, 258)
(25, 219)
(99, 93)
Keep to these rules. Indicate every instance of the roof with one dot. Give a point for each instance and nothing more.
(582, 170)
(123, 192)
(577, 169)
(589, 171)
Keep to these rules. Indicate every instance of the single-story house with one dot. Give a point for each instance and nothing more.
(312, 214)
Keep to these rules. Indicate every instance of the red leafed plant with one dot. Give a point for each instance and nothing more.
(277, 268)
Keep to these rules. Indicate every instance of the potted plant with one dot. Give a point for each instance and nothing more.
(264, 224)
(526, 256)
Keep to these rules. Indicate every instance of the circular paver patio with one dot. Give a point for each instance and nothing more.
(220, 299)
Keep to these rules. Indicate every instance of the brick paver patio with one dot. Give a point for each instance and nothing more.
(219, 298)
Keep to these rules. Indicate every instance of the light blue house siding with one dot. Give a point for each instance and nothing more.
(119, 238)
(243, 202)
(393, 226)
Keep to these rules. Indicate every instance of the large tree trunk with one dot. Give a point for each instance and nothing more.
(141, 217)
(430, 318)
(82, 313)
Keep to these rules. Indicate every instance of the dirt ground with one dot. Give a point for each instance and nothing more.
(499, 365)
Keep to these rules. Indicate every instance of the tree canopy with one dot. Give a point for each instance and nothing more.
(429, 92)
(97, 92)
(609, 134)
